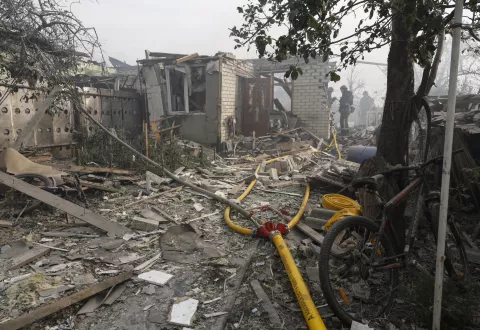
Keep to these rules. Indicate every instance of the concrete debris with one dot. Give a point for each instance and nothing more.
(173, 239)
(144, 224)
(149, 214)
(360, 326)
(155, 277)
(207, 316)
(5, 224)
(149, 289)
(148, 263)
(182, 312)
(198, 207)
(56, 291)
(116, 293)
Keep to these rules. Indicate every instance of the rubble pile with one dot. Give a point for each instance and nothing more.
(111, 248)
(143, 248)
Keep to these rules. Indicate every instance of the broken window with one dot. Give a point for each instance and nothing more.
(186, 86)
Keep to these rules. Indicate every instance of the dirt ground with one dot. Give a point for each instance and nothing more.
(196, 274)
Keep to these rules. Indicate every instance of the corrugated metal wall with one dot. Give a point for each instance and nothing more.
(117, 109)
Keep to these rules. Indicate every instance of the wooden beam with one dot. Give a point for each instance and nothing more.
(163, 119)
(185, 93)
(59, 304)
(318, 238)
(93, 185)
(186, 58)
(155, 131)
(112, 228)
(169, 128)
(266, 303)
(73, 168)
(31, 255)
(169, 91)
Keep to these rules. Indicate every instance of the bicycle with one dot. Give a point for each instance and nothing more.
(359, 260)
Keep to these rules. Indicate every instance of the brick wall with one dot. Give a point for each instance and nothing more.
(231, 68)
(310, 100)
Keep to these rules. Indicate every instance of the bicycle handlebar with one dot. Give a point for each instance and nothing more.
(421, 166)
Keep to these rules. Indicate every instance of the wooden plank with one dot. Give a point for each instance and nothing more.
(74, 168)
(64, 302)
(147, 199)
(169, 91)
(31, 255)
(169, 128)
(163, 119)
(112, 228)
(155, 131)
(93, 185)
(186, 58)
(36, 119)
(165, 214)
(5, 224)
(40, 158)
(318, 238)
(266, 303)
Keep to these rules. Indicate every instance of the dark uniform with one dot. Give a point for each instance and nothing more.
(346, 102)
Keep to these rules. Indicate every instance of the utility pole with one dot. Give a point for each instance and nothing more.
(447, 164)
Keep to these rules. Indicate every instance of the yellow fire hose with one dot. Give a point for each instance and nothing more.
(310, 313)
(334, 143)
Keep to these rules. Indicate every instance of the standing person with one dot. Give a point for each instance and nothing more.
(366, 104)
(330, 99)
(345, 109)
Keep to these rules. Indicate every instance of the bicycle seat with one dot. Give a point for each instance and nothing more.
(371, 183)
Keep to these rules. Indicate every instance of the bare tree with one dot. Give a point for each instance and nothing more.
(40, 43)
(468, 74)
(355, 82)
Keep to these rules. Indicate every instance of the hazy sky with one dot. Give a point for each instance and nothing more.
(127, 27)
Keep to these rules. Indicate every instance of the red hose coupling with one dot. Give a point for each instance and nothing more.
(265, 230)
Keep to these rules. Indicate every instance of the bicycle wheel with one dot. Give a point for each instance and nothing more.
(456, 261)
(352, 289)
(418, 137)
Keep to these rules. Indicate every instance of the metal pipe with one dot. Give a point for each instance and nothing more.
(447, 163)
(228, 202)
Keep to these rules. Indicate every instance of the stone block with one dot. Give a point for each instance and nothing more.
(273, 174)
(144, 224)
(299, 178)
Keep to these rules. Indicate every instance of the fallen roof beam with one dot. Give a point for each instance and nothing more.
(64, 302)
(112, 228)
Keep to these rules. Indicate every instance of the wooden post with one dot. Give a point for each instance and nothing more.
(185, 93)
(253, 145)
(145, 125)
(169, 90)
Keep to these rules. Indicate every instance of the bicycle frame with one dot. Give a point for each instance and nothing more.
(417, 184)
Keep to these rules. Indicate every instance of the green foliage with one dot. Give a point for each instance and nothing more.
(315, 28)
(96, 146)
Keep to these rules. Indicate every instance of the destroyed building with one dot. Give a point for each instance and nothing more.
(206, 99)
(217, 98)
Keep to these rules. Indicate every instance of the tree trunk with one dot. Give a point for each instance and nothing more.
(430, 71)
(400, 88)
(436, 62)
